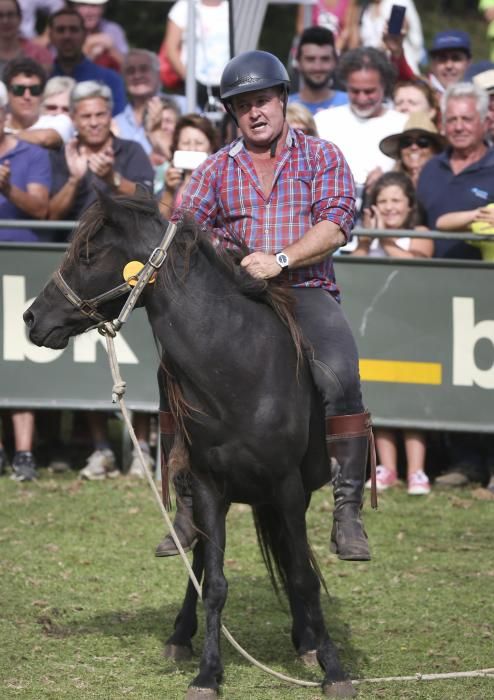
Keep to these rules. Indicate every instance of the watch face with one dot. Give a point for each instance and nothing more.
(282, 259)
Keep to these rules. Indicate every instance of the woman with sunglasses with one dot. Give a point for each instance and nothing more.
(414, 146)
(392, 205)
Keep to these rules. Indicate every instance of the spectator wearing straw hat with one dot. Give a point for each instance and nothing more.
(414, 146)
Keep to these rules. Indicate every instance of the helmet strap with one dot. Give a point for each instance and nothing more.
(229, 109)
(272, 148)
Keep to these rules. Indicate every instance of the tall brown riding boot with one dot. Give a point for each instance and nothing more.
(349, 441)
(183, 523)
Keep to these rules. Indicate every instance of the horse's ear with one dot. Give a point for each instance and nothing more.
(112, 211)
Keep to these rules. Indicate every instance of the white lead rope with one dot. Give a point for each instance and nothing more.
(118, 392)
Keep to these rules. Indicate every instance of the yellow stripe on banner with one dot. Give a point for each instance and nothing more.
(401, 372)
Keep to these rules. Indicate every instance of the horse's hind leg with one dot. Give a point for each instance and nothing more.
(309, 631)
(179, 645)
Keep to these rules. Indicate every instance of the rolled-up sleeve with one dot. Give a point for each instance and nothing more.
(333, 189)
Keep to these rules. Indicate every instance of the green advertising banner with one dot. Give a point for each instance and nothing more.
(425, 331)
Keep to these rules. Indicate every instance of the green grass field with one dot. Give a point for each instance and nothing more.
(86, 607)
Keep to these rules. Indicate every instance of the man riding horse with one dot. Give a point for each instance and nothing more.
(291, 198)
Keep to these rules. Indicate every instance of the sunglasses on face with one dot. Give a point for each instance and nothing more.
(420, 141)
(20, 90)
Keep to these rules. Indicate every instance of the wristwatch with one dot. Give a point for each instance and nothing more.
(116, 180)
(282, 259)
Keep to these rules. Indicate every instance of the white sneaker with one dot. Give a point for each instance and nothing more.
(100, 465)
(385, 478)
(418, 484)
(136, 467)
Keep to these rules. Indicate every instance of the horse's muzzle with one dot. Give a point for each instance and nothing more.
(28, 317)
(42, 335)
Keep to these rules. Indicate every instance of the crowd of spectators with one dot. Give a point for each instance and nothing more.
(80, 111)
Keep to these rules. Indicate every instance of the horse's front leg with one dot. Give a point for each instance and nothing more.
(210, 511)
(179, 645)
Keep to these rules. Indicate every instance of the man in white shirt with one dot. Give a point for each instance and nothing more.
(358, 127)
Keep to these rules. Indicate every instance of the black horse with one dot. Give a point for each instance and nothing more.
(254, 421)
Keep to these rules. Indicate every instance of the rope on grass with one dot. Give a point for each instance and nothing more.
(481, 673)
(118, 392)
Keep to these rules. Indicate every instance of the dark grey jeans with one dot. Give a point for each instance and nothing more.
(331, 349)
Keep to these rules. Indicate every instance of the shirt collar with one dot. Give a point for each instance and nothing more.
(238, 145)
(487, 158)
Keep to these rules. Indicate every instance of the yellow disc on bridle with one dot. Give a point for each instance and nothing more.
(132, 269)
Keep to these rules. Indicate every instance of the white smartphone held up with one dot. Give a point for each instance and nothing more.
(188, 160)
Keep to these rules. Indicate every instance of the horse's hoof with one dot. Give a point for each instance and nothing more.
(201, 694)
(309, 659)
(340, 689)
(177, 653)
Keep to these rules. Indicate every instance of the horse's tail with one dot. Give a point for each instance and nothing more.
(275, 548)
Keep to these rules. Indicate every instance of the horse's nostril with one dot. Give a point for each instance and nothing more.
(28, 317)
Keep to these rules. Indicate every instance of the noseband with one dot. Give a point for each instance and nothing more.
(89, 307)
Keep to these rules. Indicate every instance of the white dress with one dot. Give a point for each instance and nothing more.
(211, 38)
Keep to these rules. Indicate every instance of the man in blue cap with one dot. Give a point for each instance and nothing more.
(450, 55)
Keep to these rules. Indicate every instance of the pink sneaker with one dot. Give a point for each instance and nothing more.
(418, 484)
(385, 478)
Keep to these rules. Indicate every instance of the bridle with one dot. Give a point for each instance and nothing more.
(89, 307)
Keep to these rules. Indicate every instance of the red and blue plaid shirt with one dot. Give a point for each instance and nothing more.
(312, 183)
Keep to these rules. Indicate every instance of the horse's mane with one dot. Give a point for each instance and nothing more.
(189, 238)
(94, 217)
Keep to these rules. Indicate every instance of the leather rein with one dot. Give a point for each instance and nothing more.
(89, 307)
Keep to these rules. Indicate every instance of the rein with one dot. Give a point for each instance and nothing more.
(89, 307)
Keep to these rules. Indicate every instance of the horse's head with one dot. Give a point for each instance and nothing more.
(111, 233)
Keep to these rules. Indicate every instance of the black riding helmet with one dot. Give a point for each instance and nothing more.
(250, 71)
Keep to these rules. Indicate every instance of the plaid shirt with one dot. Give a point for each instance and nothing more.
(312, 183)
